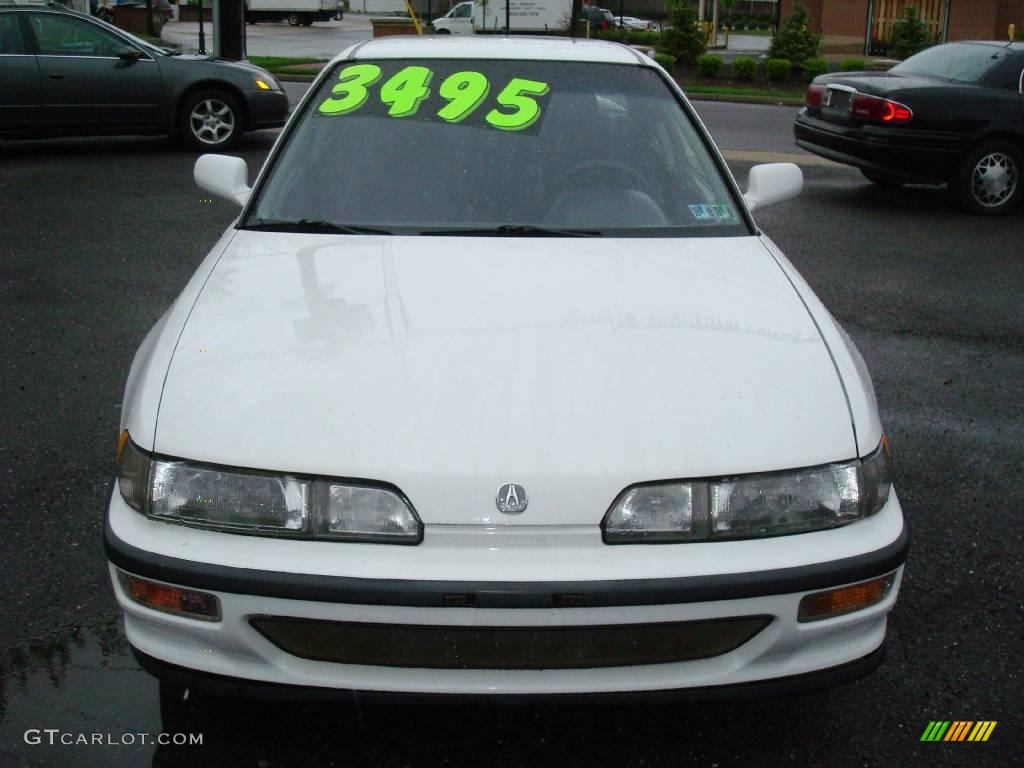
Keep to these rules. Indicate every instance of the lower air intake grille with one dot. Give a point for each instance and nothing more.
(453, 647)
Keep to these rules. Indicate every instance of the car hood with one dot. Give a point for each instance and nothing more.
(449, 366)
(240, 67)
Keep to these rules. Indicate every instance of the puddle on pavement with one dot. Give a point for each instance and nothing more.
(86, 682)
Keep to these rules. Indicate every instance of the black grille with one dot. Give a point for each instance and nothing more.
(448, 647)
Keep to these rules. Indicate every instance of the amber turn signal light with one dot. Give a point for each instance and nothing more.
(836, 602)
(170, 599)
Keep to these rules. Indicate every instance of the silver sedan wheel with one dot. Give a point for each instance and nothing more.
(212, 121)
(994, 179)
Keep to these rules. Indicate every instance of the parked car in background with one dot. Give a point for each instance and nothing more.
(598, 18)
(953, 113)
(64, 73)
(641, 25)
(504, 417)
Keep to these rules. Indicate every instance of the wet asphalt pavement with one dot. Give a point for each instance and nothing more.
(98, 236)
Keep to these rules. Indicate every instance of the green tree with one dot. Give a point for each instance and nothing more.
(684, 40)
(794, 40)
(909, 34)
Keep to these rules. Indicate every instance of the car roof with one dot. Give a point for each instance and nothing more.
(992, 43)
(47, 6)
(493, 47)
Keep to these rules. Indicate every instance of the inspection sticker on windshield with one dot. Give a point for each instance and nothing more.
(703, 212)
(514, 104)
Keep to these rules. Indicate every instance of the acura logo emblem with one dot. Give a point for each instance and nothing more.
(511, 499)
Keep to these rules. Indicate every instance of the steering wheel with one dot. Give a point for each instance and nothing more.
(590, 167)
(578, 194)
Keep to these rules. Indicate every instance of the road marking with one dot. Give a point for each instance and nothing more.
(757, 156)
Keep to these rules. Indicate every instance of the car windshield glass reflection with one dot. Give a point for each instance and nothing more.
(469, 147)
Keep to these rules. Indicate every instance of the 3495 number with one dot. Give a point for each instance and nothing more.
(406, 90)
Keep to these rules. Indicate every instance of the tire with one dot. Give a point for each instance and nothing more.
(882, 179)
(293, 19)
(990, 178)
(444, 31)
(210, 120)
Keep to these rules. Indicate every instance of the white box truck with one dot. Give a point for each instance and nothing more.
(474, 16)
(295, 12)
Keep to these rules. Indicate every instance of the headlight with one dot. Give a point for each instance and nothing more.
(365, 513)
(261, 503)
(753, 506)
(267, 83)
(223, 498)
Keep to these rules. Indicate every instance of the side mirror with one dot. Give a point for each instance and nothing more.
(129, 54)
(223, 176)
(772, 183)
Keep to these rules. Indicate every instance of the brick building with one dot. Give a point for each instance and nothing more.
(863, 26)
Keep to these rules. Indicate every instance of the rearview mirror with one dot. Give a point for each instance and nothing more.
(129, 54)
(772, 183)
(223, 176)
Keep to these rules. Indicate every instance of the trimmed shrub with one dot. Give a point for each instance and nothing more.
(765, 25)
(743, 68)
(794, 40)
(684, 40)
(778, 69)
(710, 65)
(814, 67)
(909, 34)
(852, 65)
(667, 60)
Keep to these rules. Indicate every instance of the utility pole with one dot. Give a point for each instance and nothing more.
(202, 32)
(228, 26)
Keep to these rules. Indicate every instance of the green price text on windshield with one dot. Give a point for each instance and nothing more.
(404, 92)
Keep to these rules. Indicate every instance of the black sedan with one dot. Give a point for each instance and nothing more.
(953, 113)
(64, 73)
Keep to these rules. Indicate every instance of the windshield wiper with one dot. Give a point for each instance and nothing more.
(316, 227)
(513, 230)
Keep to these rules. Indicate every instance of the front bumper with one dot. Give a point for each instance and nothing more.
(267, 109)
(233, 650)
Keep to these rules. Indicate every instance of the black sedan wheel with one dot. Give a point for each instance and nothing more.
(210, 120)
(990, 178)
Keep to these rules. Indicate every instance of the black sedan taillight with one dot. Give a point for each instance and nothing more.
(878, 110)
(815, 94)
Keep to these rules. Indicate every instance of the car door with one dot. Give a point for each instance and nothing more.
(462, 19)
(86, 86)
(20, 101)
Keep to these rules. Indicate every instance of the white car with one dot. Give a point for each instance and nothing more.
(632, 22)
(457, 406)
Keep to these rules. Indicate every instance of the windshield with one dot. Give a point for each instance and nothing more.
(498, 148)
(962, 62)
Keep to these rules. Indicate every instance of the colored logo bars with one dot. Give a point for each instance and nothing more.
(958, 730)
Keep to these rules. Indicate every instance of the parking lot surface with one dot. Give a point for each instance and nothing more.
(100, 235)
